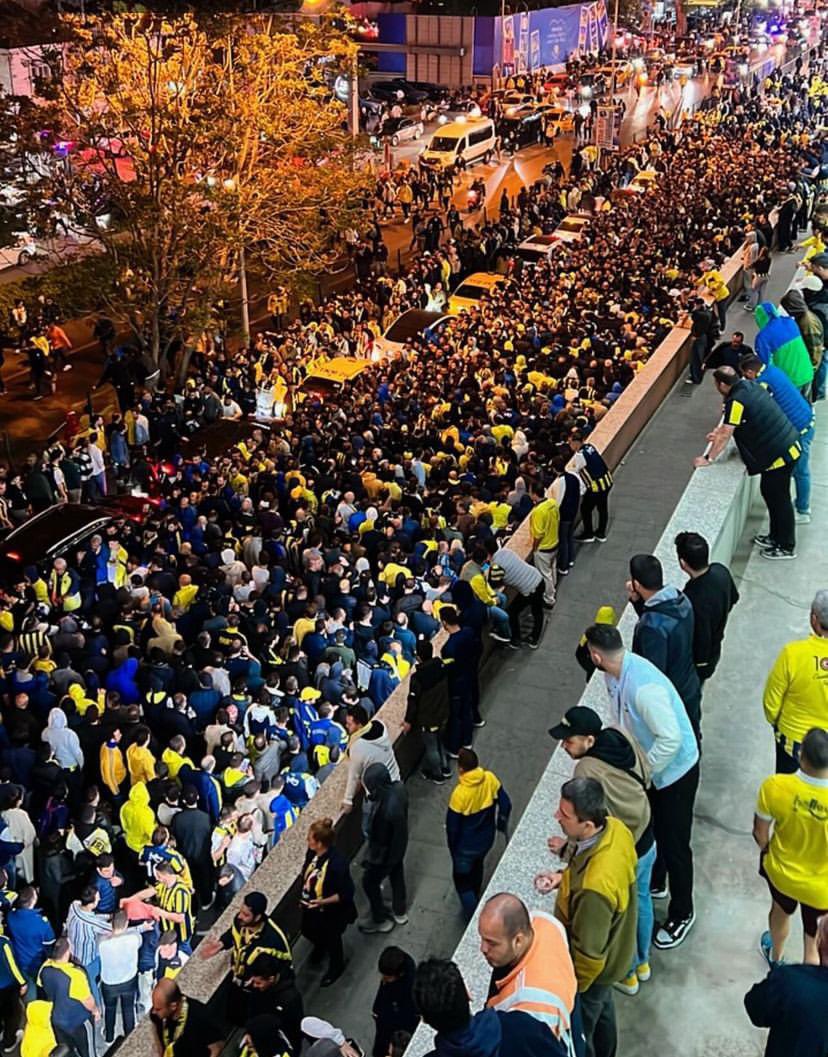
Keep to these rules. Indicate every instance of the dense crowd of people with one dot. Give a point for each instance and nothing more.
(177, 688)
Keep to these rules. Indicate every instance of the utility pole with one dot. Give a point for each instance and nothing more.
(614, 52)
(355, 97)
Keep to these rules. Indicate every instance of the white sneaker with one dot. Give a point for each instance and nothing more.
(803, 519)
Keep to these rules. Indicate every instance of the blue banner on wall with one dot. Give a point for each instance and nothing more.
(530, 39)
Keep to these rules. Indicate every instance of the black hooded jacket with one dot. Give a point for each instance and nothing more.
(388, 821)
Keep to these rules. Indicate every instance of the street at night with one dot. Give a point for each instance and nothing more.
(413, 612)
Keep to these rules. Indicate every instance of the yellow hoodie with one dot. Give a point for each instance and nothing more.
(38, 1038)
(141, 763)
(82, 702)
(175, 761)
(138, 818)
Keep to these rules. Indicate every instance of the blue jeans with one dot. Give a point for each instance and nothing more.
(802, 473)
(93, 971)
(820, 376)
(499, 622)
(646, 917)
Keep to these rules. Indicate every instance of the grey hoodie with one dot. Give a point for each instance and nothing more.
(63, 741)
(372, 746)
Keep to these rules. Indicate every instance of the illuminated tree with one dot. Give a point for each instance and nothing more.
(181, 148)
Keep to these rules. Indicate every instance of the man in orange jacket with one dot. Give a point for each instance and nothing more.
(532, 968)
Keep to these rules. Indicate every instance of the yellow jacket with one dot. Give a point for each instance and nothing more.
(796, 692)
(141, 763)
(543, 524)
(138, 818)
(38, 1038)
(82, 702)
(597, 906)
(113, 771)
(714, 282)
(175, 761)
(185, 596)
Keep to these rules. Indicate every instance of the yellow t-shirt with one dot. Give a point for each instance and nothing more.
(543, 524)
(796, 861)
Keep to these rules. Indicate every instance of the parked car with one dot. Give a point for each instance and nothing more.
(391, 91)
(467, 139)
(556, 120)
(20, 251)
(537, 248)
(411, 324)
(436, 93)
(572, 227)
(398, 129)
(471, 291)
(60, 530)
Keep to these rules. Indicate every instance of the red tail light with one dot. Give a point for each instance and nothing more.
(15, 557)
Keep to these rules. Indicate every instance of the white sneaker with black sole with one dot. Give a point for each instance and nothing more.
(673, 932)
(777, 554)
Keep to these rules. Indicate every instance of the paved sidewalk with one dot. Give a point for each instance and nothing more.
(692, 1006)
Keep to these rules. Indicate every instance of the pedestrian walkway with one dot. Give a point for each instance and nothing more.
(695, 994)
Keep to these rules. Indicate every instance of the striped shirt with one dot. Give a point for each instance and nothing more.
(178, 900)
(517, 573)
(83, 927)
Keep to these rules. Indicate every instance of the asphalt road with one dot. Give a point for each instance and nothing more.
(26, 423)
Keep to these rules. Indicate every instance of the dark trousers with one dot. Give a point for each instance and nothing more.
(372, 886)
(566, 545)
(785, 763)
(535, 602)
(468, 881)
(698, 354)
(595, 501)
(10, 1013)
(598, 1016)
(203, 881)
(77, 1040)
(672, 810)
(331, 944)
(721, 312)
(775, 486)
(461, 719)
(127, 995)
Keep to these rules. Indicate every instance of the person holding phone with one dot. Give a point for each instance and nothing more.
(327, 899)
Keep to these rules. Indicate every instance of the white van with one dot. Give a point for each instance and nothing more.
(470, 140)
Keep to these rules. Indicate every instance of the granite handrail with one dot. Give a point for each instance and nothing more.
(278, 874)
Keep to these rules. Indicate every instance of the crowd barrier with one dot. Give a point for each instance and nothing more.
(279, 874)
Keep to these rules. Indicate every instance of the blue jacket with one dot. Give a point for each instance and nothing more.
(207, 787)
(664, 635)
(787, 396)
(284, 815)
(31, 937)
(646, 704)
(10, 975)
(788, 1001)
(491, 1033)
(479, 805)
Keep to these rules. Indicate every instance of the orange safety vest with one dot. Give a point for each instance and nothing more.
(543, 982)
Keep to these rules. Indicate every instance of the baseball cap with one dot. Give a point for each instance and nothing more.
(578, 720)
